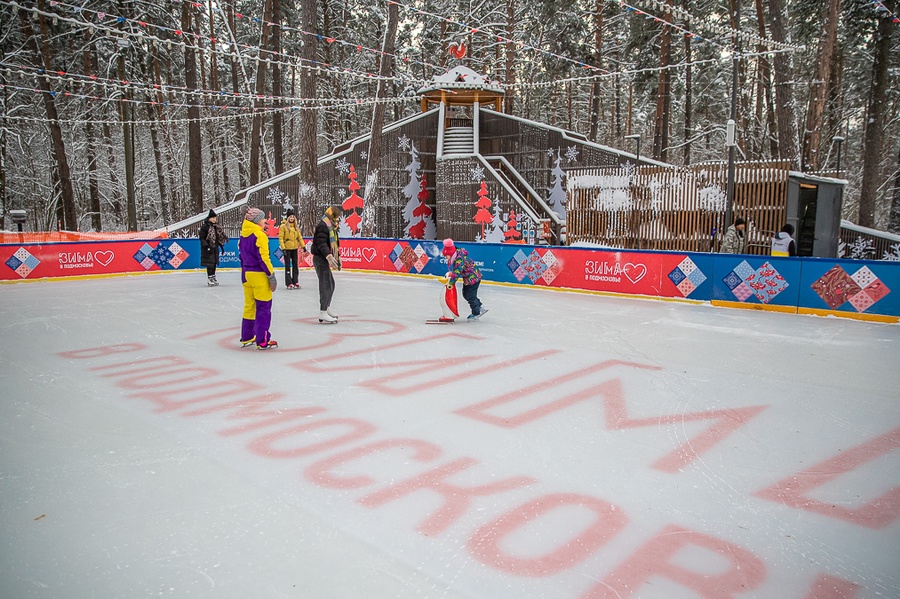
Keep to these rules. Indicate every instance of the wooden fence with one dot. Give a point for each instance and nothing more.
(861, 243)
(674, 208)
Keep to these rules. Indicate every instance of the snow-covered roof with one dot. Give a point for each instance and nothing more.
(460, 77)
(846, 224)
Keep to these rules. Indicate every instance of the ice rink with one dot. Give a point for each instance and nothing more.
(566, 445)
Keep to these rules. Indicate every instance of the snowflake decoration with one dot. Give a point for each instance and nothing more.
(403, 142)
(892, 255)
(550, 153)
(861, 248)
(477, 173)
(571, 153)
(275, 196)
(342, 166)
(364, 155)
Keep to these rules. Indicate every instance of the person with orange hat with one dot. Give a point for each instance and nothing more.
(460, 266)
(258, 278)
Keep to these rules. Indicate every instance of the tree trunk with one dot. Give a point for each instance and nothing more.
(509, 100)
(784, 98)
(277, 119)
(598, 58)
(819, 87)
(663, 97)
(195, 144)
(373, 190)
(93, 178)
(765, 85)
(218, 139)
(309, 148)
(42, 54)
(894, 218)
(873, 136)
(256, 130)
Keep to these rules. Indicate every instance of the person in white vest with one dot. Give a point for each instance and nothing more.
(783, 244)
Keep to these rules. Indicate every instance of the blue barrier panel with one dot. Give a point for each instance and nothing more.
(852, 286)
(756, 280)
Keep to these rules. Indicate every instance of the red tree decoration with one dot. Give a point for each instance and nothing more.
(270, 229)
(512, 234)
(352, 203)
(483, 216)
(422, 211)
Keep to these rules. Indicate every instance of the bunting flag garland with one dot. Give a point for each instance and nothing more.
(139, 27)
(500, 38)
(684, 15)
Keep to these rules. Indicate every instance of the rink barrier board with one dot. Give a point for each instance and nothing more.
(859, 289)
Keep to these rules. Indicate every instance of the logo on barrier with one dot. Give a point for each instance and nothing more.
(634, 272)
(104, 258)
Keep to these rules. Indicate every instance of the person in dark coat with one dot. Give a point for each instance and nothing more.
(326, 252)
(212, 243)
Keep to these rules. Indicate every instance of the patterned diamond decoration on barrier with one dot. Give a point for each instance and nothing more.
(732, 280)
(161, 255)
(687, 277)
(421, 258)
(686, 287)
(179, 255)
(764, 283)
(22, 262)
(862, 289)
(408, 258)
(536, 267)
(677, 276)
(141, 254)
(835, 287)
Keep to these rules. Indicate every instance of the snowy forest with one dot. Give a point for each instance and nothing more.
(129, 115)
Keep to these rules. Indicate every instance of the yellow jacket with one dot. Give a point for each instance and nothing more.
(253, 247)
(289, 237)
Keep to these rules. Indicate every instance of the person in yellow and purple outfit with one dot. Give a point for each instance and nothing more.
(258, 278)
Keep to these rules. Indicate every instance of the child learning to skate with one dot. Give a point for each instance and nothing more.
(460, 266)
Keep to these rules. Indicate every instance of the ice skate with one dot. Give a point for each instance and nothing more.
(326, 318)
(270, 344)
(248, 342)
(331, 314)
(211, 281)
(481, 313)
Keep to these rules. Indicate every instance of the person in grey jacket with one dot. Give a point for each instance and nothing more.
(734, 241)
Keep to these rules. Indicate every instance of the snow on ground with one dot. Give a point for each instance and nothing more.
(567, 445)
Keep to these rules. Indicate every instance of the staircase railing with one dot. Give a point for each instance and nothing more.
(530, 197)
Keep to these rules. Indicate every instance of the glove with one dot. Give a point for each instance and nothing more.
(273, 282)
(332, 262)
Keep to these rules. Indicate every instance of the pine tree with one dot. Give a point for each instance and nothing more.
(512, 234)
(483, 216)
(352, 204)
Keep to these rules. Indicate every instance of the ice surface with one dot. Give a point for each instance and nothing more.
(616, 447)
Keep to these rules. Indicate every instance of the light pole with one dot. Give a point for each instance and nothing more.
(730, 138)
(637, 154)
(838, 140)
